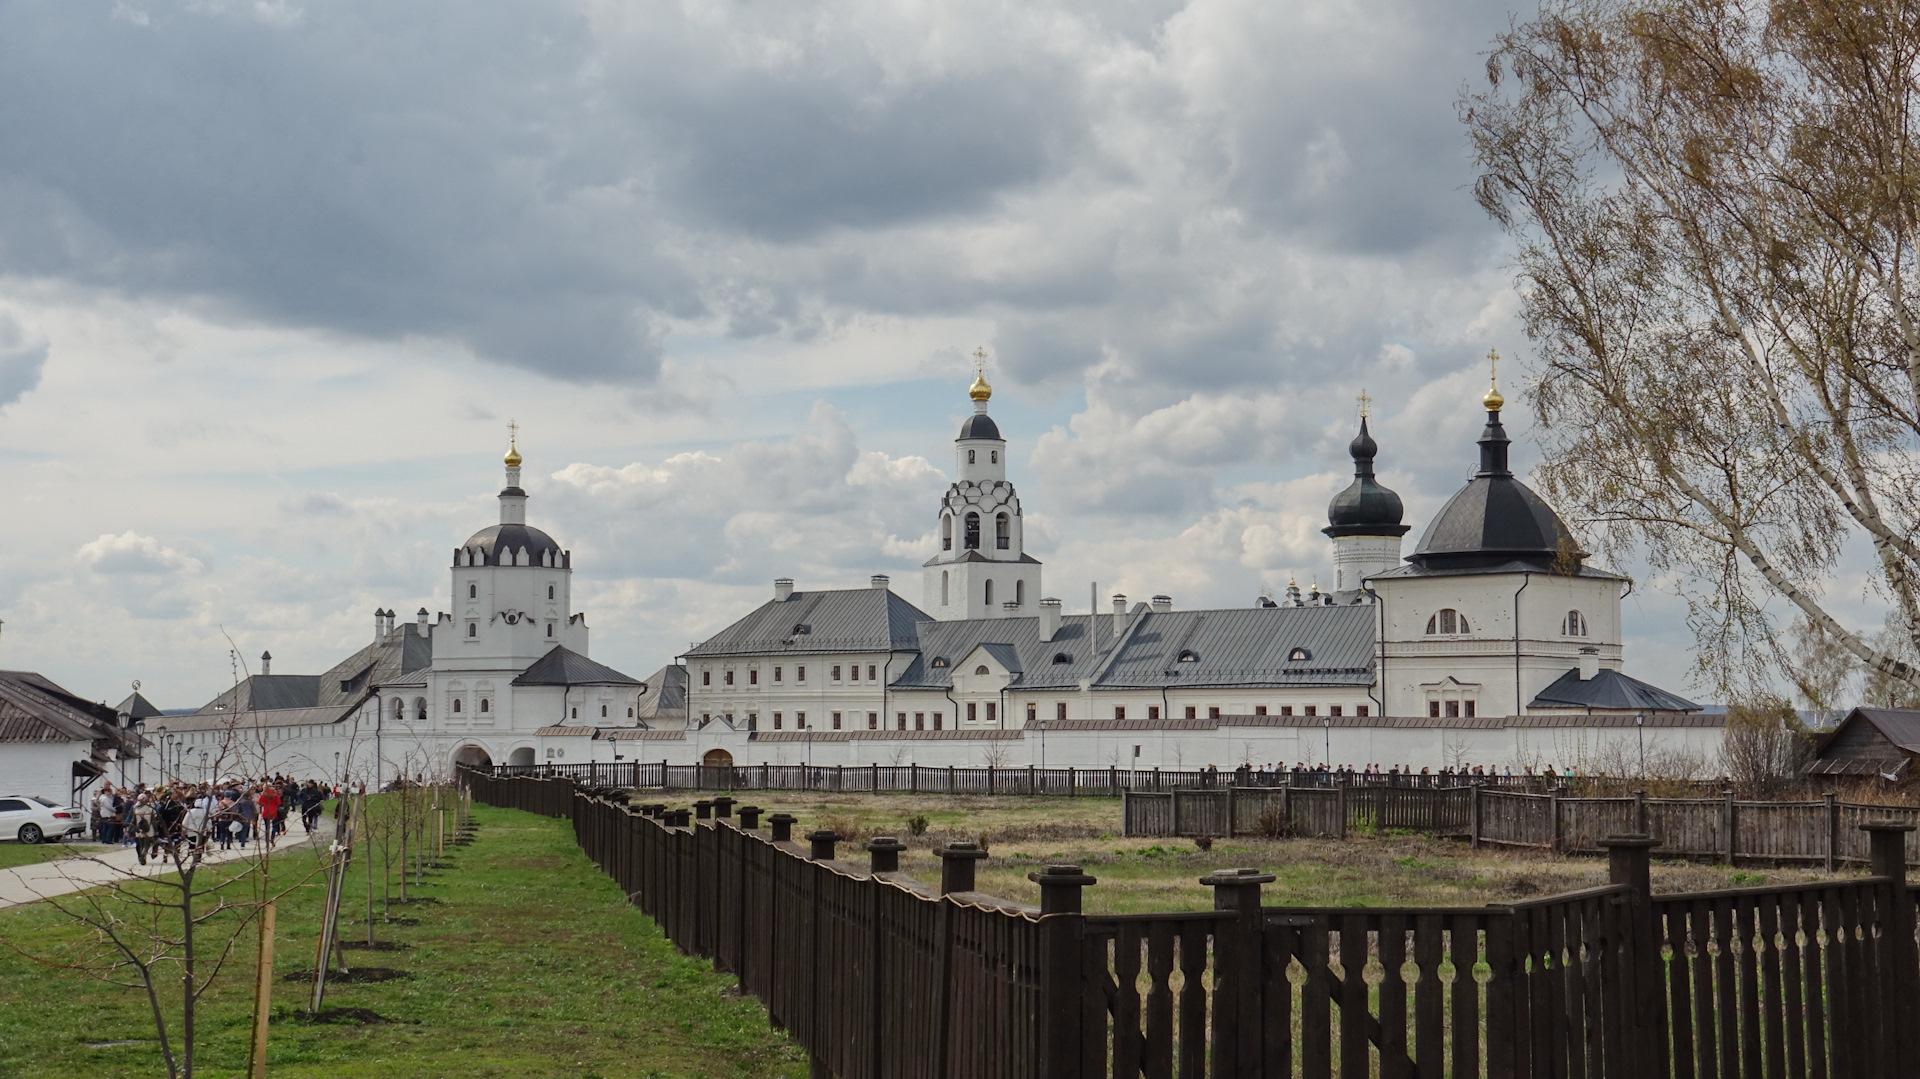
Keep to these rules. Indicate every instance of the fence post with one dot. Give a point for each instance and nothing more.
(949, 779)
(1887, 857)
(1630, 862)
(703, 810)
(1640, 814)
(1061, 932)
(766, 775)
(723, 806)
(1341, 793)
(1032, 788)
(1473, 822)
(1833, 828)
(782, 824)
(1726, 823)
(873, 782)
(913, 776)
(1553, 808)
(956, 866)
(1175, 804)
(821, 844)
(750, 817)
(1237, 973)
(884, 852)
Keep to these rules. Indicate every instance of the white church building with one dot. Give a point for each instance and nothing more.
(1492, 643)
(489, 681)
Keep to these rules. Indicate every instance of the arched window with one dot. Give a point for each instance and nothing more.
(549, 629)
(994, 456)
(549, 591)
(1002, 532)
(946, 531)
(1062, 657)
(973, 531)
(473, 629)
(989, 596)
(399, 708)
(970, 457)
(486, 705)
(1020, 592)
(1188, 655)
(939, 661)
(456, 704)
(473, 591)
(1574, 625)
(1299, 655)
(946, 594)
(1448, 620)
(982, 669)
(419, 708)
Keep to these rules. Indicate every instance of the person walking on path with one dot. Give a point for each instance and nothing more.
(269, 812)
(311, 796)
(143, 827)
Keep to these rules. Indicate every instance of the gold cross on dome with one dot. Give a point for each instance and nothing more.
(513, 431)
(1493, 366)
(980, 360)
(1364, 402)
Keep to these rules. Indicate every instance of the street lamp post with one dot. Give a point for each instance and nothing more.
(1326, 728)
(1640, 726)
(162, 731)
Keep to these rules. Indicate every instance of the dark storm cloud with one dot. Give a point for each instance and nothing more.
(1185, 194)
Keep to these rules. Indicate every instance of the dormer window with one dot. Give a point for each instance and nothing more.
(982, 669)
(1188, 655)
(939, 661)
(1062, 657)
(801, 629)
(1573, 625)
(1299, 655)
(1448, 620)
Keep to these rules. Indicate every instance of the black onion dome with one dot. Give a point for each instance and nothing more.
(1495, 519)
(979, 425)
(1365, 508)
(495, 546)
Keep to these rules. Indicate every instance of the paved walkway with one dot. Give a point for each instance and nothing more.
(28, 883)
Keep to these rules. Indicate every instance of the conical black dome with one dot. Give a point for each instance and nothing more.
(1495, 519)
(1365, 508)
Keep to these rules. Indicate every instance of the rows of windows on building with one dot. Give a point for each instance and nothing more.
(989, 712)
(1448, 621)
(970, 529)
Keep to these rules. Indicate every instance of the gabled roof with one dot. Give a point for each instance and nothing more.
(35, 710)
(1901, 726)
(402, 652)
(1612, 690)
(1248, 646)
(248, 719)
(137, 706)
(1014, 643)
(840, 620)
(666, 696)
(562, 666)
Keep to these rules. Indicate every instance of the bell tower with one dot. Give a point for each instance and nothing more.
(982, 569)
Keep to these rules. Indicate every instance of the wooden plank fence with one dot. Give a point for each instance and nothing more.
(1296, 811)
(879, 976)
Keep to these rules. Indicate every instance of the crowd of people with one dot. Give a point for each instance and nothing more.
(1303, 774)
(157, 820)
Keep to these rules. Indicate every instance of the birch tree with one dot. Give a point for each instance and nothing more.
(1715, 207)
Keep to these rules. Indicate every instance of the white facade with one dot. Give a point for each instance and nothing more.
(982, 569)
(43, 768)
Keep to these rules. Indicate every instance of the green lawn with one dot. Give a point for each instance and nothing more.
(14, 852)
(525, 962)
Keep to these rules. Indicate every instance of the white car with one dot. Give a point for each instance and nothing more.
(32, 819)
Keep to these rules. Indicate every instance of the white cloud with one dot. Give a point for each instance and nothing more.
(132, 553)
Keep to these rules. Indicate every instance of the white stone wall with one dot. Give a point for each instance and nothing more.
(44, 769)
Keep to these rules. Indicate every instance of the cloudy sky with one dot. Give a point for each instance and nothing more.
(274, 275)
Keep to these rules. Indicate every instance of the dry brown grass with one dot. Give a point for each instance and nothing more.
(1024, 834)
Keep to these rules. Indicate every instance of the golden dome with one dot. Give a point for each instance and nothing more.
(980, 391)
(1493, 400)
(513, 454)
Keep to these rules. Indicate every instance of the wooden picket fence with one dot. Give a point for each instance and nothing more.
(1296, 811)
(878, 976)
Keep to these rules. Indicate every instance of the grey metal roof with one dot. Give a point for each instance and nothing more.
(562, 666)
(1248, 646)
(666, 695)
(496, 545)
(1014, 642)
(1664, 720)
(979, 425)
(838, 620)
(1609, 689)
(137, 706)
(249, 718)
(405, 650)
(1510, 566)
(35, 710)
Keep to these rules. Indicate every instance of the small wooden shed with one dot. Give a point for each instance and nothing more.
(1869, 742)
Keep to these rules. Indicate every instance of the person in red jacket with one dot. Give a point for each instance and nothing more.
(269, 810)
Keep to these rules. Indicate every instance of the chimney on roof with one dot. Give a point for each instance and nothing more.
(1589, 663)
(1049, 619)
(1119, 612)
(379, 624)
(879, 580)
(782, 589)
(266, 663)
(1009, 609)
(1162, 604)
(423, 621)
(1094, 632)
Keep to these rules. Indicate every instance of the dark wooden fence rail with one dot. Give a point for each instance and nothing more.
(1304, 811)
(878, 975)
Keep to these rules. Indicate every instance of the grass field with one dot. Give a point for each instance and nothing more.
(14, 852)
(523, 961)
(1137, 875)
